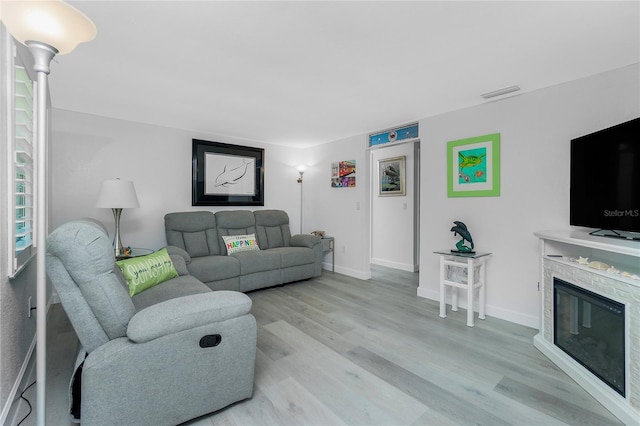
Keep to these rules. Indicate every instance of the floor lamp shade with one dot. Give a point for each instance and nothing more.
(116, 194)
(54, 23)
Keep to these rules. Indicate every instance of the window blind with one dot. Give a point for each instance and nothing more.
(22, 208)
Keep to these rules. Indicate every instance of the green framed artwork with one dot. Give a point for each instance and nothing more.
(473, 167)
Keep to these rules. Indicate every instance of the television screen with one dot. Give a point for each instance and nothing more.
(605, 179)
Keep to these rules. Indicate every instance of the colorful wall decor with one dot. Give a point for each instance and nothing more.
(343, 174)
(399, 134)
(473, 167)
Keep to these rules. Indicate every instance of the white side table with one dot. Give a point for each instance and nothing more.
(458, 270)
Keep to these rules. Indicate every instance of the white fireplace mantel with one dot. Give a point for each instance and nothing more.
(558, 253)
(583, 239)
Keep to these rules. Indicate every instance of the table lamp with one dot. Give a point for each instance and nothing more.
(116, 194)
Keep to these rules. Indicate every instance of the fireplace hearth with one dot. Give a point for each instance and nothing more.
(590, 316)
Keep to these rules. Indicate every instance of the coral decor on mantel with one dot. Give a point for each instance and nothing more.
(601, 266)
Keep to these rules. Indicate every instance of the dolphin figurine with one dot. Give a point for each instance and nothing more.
(461, 230)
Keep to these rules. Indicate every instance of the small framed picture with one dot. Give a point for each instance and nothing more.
(343, 174)
(391, 176)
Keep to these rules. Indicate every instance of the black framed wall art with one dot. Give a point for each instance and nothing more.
(227, 175)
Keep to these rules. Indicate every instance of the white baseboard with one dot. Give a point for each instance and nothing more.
(361, 275)
(16, 389)
(20, 379)
(493, 311)
(394, 265)
(513, 316)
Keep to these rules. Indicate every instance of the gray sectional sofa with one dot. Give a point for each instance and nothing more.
(281, 258)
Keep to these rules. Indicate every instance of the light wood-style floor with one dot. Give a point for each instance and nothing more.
(340, 351)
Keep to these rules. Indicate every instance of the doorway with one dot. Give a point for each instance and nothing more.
(395, 225)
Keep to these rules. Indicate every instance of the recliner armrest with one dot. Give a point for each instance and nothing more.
(180, 259)
(177, 251)
(185, 313)
(305, 240)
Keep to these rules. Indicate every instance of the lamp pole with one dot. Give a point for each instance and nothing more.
(42, 55)
(300, 182)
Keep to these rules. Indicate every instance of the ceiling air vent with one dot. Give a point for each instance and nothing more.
(500, 92)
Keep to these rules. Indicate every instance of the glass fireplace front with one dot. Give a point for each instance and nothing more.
(590, 329)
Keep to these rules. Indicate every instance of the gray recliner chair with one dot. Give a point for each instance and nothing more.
(172, 353)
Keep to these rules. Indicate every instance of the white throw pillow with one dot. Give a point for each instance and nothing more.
(238, 243)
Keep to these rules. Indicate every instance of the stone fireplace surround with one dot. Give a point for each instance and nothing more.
(625, 256)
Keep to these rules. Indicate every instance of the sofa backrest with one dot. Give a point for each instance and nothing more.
(194, 232)
(272, 228)
(234, 222)
(200, 233)
(80, 264)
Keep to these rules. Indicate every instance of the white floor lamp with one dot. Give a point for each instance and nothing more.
(301, 171)
(47, 28)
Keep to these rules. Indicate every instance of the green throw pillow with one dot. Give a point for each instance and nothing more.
(144, 272)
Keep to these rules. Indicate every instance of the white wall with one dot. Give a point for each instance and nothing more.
(342, 212)
(87, 149)
(392, 218)
(536, 129)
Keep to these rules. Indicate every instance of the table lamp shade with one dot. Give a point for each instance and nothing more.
(117, 194)
(52, 22)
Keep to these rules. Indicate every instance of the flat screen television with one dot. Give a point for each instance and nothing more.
(605, 181)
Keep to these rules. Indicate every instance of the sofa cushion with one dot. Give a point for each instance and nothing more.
(294, 256)
(258, 261)
(195, 243)
(144, 272)
(176, 287)
(214, 268)
(234, 222)
(273, 228)
(239, 243)
(194, 232)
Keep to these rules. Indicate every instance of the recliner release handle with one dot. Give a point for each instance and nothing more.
(210, 341)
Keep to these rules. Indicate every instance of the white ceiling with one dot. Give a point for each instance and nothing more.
(302, 73)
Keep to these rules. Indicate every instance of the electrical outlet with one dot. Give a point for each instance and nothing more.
(343, 248)
(29, 311)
